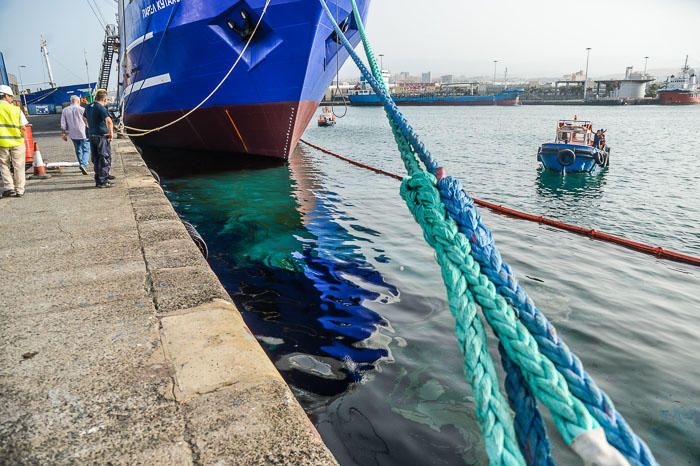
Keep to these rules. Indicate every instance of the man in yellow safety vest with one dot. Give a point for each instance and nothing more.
(12, 151)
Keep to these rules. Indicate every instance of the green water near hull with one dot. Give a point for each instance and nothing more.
(317, 253)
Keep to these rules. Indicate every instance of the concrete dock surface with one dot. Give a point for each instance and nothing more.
(118, 344)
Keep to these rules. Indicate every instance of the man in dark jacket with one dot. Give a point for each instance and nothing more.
(100, 131)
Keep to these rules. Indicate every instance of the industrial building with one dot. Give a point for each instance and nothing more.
(632, 87)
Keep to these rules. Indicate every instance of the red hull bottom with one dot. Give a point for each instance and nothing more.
(679, 98)
(271, 130)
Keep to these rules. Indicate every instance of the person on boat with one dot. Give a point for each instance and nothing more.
(599, 139)
(596, 139)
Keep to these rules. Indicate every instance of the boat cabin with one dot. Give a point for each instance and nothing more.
(575, 132)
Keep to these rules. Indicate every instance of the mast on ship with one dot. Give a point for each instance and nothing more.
(45, 54)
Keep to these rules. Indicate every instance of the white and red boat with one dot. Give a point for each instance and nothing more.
(683, 89)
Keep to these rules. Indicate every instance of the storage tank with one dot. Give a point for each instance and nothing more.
(632, 89)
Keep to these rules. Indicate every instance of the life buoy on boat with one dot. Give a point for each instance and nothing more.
(566, 157)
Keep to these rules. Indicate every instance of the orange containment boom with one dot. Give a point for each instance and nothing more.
(657, 251)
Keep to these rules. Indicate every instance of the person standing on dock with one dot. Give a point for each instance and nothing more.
(73, 127)
(100, 130)
(12, 150)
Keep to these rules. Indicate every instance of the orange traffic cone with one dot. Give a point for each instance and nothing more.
(39, 167)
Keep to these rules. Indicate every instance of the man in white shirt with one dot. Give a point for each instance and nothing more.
(73, 127)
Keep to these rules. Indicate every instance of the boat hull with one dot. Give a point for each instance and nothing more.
(679, 97)
(557, 158)
(270, 129)
(504, 98)
(178, 55)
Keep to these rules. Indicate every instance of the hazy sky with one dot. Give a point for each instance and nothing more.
(533, 38)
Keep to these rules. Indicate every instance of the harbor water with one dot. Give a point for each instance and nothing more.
(335, 280)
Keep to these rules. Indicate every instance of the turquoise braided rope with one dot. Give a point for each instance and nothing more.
(460, 206)
(619, 434)
(569, 414)
(441, 233)
(491, 409)
(530, 430)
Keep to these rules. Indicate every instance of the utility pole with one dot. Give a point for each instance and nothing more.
(495, 64)
(585, 82)
(22, 97)
(646, 60)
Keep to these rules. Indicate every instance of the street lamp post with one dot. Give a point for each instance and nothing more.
(585, 82)
(495, 64)
(22, 98)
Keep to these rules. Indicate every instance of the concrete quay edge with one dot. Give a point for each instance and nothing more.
(153, 366)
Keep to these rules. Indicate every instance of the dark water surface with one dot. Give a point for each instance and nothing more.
(335, 280)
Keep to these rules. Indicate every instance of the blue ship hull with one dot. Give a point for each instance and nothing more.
(502, 98)
(176, 52)
(572, 158)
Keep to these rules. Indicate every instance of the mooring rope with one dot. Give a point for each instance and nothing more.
(466, 284)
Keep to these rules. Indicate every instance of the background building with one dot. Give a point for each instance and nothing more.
(633, 86)
(426, 77)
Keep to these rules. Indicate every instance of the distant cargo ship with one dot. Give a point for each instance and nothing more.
(53, 99)
(683, 89)
(175, 53)
(510, 97)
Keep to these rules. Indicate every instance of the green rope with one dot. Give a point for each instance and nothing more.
(491, 407)
(462, 276)
(466, 285)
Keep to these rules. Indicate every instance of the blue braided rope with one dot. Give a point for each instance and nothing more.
(462, 209)
(529, 425)
(618, 432)
(530, 431)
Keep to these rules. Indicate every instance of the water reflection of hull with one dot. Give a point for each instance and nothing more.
(298, 276)
(551, 184)
(345, 282)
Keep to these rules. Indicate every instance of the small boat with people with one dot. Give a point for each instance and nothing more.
(576, 148)
(327, 118)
